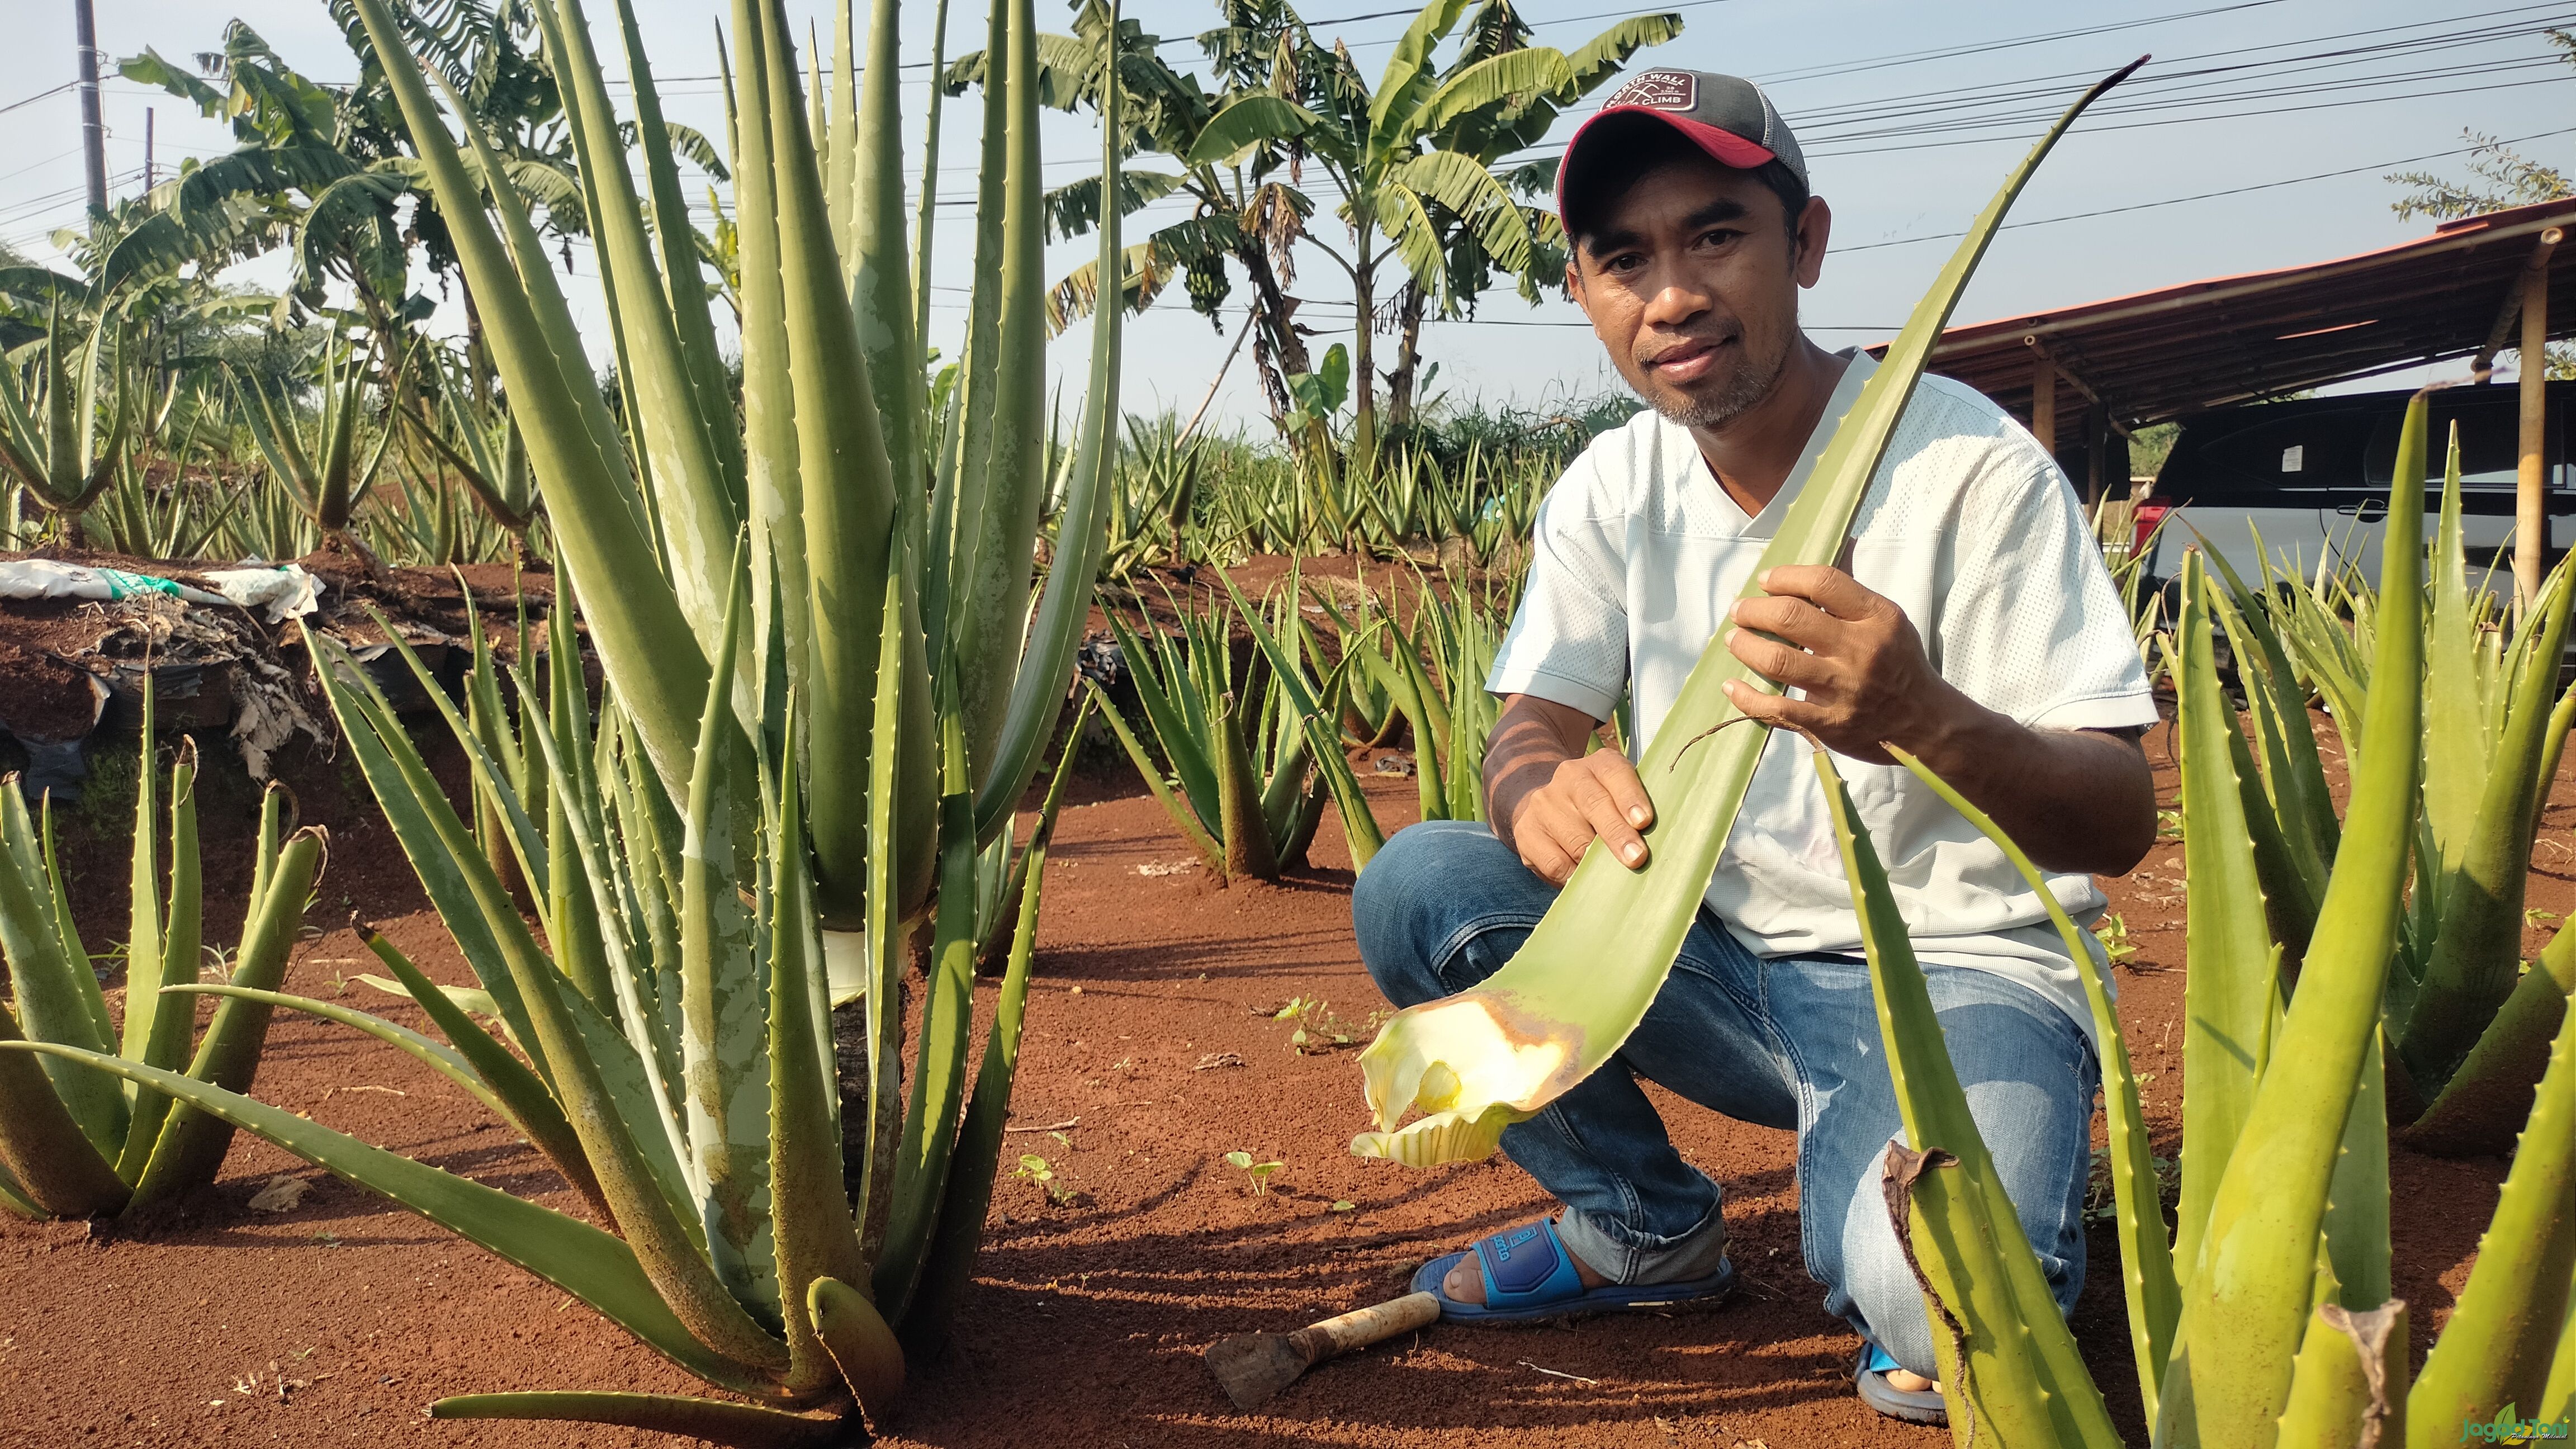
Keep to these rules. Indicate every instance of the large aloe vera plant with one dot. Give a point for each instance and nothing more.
(1493, 1055)
(2269, 1321)
(60, 439)
(476, 436)
(1443, 702)
(75, 1143)
(828, 684)
(2469, 1028)
(328, 471)
(1232, 737)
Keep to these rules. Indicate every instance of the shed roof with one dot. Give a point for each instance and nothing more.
(2151, 356)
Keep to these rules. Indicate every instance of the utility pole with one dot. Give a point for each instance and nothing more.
(93, 130)
(2531, 519)
(148, 177)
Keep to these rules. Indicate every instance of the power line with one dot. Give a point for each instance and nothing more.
(2210, 105)
(38, 96)
(1831, 151)
(2011, 103)
(2035, 221)
(2218, 116)
(2173, 74)
(34, 165)
(2150, 100)
(1918, 57)
(1179, 201)
(2201, 195)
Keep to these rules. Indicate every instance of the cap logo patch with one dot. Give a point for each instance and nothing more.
(1659, 90)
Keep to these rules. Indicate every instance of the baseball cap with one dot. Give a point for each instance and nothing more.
(1724, 115)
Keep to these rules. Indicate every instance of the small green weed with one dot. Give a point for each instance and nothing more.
(2113, 933)
(1317, 1029)
(1257, 1172)
(1036, 1169)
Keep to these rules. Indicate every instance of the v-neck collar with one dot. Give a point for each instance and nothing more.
(1767, 523)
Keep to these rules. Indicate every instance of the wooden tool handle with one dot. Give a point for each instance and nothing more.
(1363, 1326)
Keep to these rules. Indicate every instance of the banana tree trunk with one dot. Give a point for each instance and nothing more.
(1408, 359)
(1278, 353)
(1363, 350)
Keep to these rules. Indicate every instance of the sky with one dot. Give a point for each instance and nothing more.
(2258, 137)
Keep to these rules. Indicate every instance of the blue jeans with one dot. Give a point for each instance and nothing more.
(1784, 1041)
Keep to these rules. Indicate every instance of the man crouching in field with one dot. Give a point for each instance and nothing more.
(1976, 627)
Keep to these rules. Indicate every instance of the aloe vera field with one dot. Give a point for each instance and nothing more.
(671, 778)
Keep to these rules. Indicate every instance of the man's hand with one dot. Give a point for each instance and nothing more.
(2075, 799)
(1549, 801)
(1857, 657)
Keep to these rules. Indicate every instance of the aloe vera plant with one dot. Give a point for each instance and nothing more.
(1318, 706)
(825, 695)
(1443, 701)
(2490, 717)
(1234, 739)
(1158, 486)
(477, 437)
(1478, 1061)
(2014, 1361)
(2470, 1030)
(329, 471)
(173, 519)
(2247, 1291)
(2280, 1328)
(60, 439)
(2232, 997)
(75, 1143)
(2147, 1275)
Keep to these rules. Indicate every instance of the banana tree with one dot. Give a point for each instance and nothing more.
(1476, 1062)
(320, 172)
(1411, 160)
(1490, 135)
(64, 420)
(1245, 216)
(824, 695)
(1281, 99)
(75, 1143)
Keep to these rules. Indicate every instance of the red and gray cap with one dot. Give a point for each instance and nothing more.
(1726, 116)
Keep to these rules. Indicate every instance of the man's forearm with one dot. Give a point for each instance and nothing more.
(1530, 739)
(2073, 800)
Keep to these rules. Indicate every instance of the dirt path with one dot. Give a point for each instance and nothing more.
(1153, 1051)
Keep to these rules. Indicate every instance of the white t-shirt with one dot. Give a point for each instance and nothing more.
(1970, 528)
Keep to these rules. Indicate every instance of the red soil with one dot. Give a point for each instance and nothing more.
(337, 1321)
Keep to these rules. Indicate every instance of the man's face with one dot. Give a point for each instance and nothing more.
(1691, 281)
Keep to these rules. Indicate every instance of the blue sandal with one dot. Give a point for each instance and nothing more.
(1914, 1406)
(1529, 1276)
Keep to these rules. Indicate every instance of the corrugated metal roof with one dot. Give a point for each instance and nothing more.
(2157, 355)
